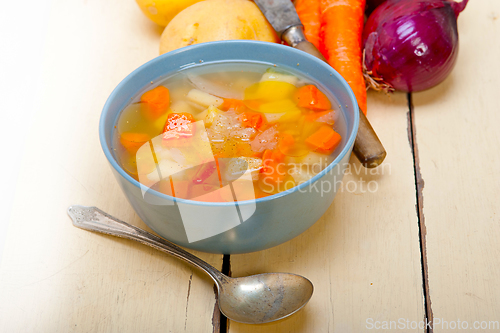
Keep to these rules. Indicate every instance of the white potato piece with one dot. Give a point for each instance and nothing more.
(183, 107)
(203, 98)
(273, 117)
(301, 173)
(209, 115)
(238, 166)
(282, 77)
(314, 161)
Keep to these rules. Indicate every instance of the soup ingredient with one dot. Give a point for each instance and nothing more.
(273, 167)
(156, 102)
(238, 166)
(341, 27)
(213, 20)
(233, 104)
(265, 140)
(324, 140)
(286, 144)
(310, 97)
(177, 126)
(214, 88)
(208, 116)
(270, 91)
(202, 141)
(412, 45)
(203, 98)
(273, 74)
(252, 119)
(162, 11)
(309, 12)
(327, 117)
(133, 141)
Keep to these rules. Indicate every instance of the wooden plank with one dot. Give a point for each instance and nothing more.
(458, 140)
(57, 278)
(363, 255)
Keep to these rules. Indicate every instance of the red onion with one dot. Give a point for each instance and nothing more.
(371, 5)
(412, 45)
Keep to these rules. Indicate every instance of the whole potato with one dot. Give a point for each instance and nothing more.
(213, 20)
(162, 11)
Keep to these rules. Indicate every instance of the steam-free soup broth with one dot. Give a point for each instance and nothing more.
(222, 132)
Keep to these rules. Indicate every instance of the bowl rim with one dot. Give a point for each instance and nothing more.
(228, 43)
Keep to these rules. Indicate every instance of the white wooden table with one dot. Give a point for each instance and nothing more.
(420, 243)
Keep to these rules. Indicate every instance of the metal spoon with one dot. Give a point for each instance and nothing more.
(254, 299)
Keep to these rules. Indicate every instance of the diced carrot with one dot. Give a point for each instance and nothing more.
(252, 119)
(286, 142)
(273, 167)
(133, 141)
(266, 159)
(232, 104)
(254, 104)
(312, 98)
(156, 102)
(178, 125)
(324, 140)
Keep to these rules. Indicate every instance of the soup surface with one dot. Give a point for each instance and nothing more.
(221, 133)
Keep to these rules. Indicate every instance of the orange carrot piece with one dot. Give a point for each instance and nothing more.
(157, 101)
(341, 30)
(312, 98)
(252, 119)
(234, 104)
(309, 12)
(266, 159)
(273, 167)
(286, 143)
(177, 126)
(133, 141)
(324, 140)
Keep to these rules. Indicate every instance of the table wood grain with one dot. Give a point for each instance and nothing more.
(55, 277)
(458, 147)
(413, 240)
(363, 255)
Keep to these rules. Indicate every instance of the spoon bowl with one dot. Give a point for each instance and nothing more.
(264, 298)
(254, 299)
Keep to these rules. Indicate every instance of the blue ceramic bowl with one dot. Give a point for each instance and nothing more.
(265, 222)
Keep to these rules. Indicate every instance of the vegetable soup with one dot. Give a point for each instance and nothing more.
(259, 129)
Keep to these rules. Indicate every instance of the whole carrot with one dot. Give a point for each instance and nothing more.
(341, 30)
(309, 12)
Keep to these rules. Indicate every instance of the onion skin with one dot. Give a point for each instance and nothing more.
(372, 4)
(412, 45)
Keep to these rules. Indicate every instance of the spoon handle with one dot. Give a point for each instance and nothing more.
(94, 219)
